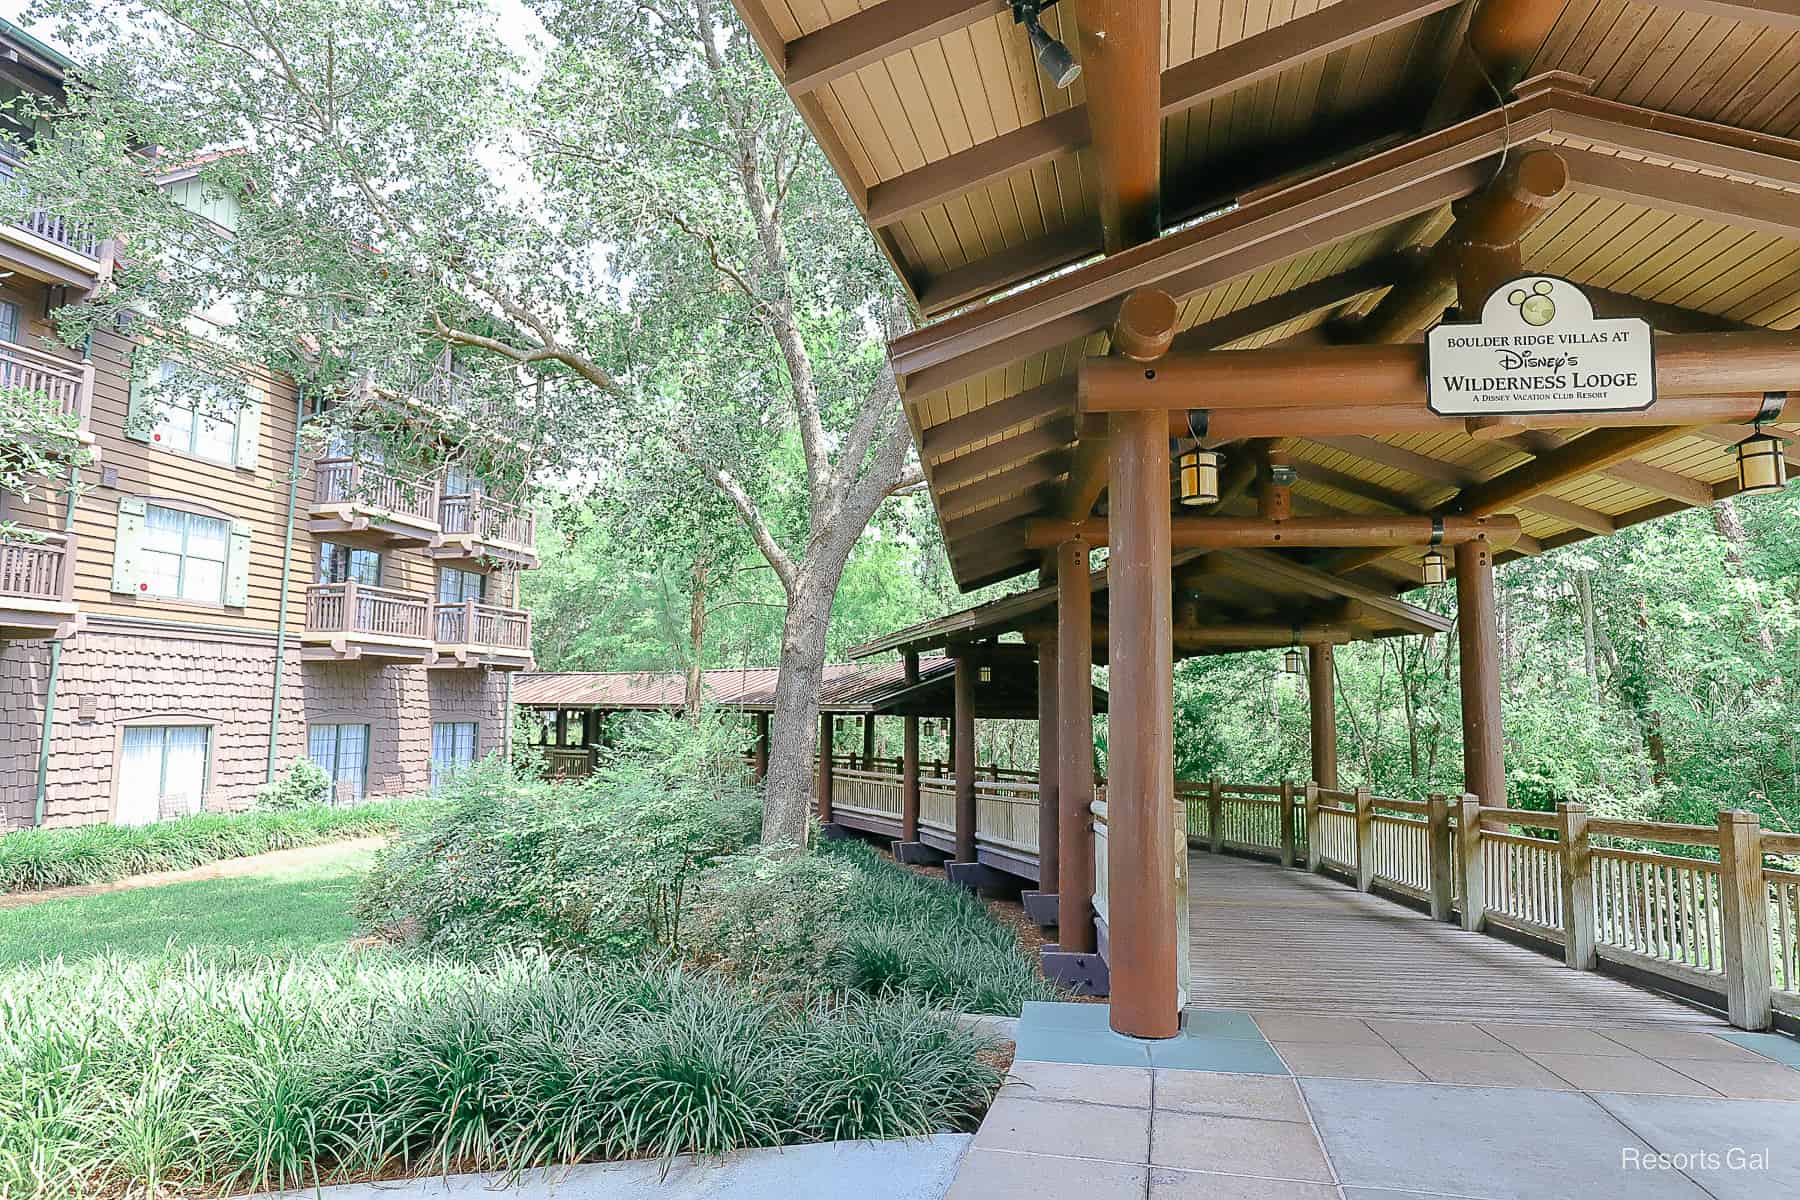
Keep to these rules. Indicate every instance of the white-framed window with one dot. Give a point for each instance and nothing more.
(453, 745)
(456, 585)
(343, 752)
(162, 772)
(185, 554)
(200, 419)
(339, 563)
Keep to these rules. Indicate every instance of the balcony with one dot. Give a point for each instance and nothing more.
(347, 622)
(481, 527)
(69, 385)
(472, 634)
(37, 588)
(368, 504)
(46, 246)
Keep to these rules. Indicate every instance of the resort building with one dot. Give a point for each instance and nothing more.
(217, 596)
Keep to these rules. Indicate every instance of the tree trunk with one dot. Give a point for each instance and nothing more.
(693, 697)
(1584, 588)
(1731, 531)
(787, 796)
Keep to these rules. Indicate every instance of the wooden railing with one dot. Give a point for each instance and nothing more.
(68, 385)
(39, 570)
(565, 762)
(357, 608)
(471, 623)
(70, 234)
(490, 520)
(346, 480)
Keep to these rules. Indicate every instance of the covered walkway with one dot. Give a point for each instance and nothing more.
(1273, 941)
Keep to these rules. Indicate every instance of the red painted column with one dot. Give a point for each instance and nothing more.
(1075, 748)
(1143, 925)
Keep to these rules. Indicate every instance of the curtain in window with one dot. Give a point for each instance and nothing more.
(338, 563)
(208, 542)
(452, 747)
(184, 770)
(353, 758)
(140, 776)
(456, 585)
(165, 534)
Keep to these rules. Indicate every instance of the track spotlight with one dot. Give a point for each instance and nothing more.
(1052, 55)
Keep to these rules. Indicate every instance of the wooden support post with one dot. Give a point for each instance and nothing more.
(868, 753)
(1287, 823)
(1478, 648)
(1313, 821)
(965, 759)
(909, 765)
(1322, 694)
(1365, 840)
(562, 726)
(1075, 748)
(1215, 818)
(1577, 888)
(1474, 871)
(1049, 810)
(760, 755)
(826, 723)
(1744, 918)
(1121, 57)
(1143, 927)
(1438, 849)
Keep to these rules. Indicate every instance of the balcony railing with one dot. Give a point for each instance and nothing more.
(368, 612)
(70, 385)
(471, 623)
(372, 487)
(488, 519)
(38, 570)
(69, 234)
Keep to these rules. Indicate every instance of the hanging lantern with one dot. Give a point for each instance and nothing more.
(1199, 476)
(1293, 662)
(986, 675)
(1761, 465)
(1437, 567)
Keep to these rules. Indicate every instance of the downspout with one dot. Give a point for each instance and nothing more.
(56, 647)
(287, 566)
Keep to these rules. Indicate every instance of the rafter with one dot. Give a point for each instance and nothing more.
(1218, 73)
(815, 59)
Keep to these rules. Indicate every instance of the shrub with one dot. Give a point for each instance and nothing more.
(305, 783)
(201, 1074)
(31, 859)
(605, 868)
(772, 917)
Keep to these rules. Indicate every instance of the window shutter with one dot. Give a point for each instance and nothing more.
(237, 566)
(137, 408)
(249, 429)
(127, 542)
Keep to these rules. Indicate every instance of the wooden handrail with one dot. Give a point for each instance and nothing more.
(359, 608)
(348, 480)
(40, 570)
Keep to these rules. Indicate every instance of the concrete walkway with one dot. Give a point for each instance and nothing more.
(1286, 1107)
(912, 1169)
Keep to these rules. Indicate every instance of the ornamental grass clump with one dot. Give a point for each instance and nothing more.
(33, 859)
(228, 1075)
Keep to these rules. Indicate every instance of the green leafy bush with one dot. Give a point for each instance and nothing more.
(217, 1075)
(775, 917)
(31, 859)
(305, 783)
(605, 868)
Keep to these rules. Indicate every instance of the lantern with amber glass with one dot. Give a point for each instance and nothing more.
(1437, 566)
(1198, 471)
(1293, 662)
(1761, 465)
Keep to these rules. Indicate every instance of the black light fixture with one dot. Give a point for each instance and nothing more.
(1761, 465)
(1052, 55)
(1437, 567)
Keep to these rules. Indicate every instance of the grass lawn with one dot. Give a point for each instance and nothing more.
(295, 909)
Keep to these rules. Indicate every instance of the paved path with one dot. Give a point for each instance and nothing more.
(1268, 939)
(272, 863)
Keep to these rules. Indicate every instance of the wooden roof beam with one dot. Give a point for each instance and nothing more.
(842, 47)
(1499, 216)
(1180, 88)
(1223, 533)
(1709, 197)
(995, 456)
(1502, 38)
(1030, 407)
(1142, 334)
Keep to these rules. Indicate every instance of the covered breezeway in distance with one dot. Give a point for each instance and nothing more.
(1183, 307)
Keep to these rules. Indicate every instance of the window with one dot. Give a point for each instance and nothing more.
(456, 585)
(162, 772)
(343, 752)
(201, 422)
(9, 322)
(184, 555)
(459, 481)
(452, 748)
(339, 563)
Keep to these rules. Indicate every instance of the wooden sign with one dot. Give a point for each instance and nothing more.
(1538, 348)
